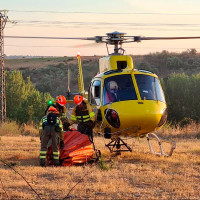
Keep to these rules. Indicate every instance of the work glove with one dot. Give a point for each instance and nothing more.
(66, 126)
(91, 124)
(61, 144)
(58, 129)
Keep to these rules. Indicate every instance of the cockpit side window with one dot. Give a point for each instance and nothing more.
(149, 88)
(159, 91)
(95, 92)
(118, 88)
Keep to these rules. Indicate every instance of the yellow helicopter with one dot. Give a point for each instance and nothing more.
(128, 102)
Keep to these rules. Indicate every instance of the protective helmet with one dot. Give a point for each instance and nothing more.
(50, 102)
(78, 99)
(61, 100)
(53, 109)
(113, 85)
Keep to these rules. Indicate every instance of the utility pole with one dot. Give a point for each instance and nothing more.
(3, 20)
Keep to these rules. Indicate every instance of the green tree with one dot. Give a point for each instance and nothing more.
(24, 102)
(183, 98)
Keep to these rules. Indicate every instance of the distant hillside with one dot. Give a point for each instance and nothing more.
(49, 74)
(165, 63)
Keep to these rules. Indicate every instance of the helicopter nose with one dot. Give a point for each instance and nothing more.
(141, 117)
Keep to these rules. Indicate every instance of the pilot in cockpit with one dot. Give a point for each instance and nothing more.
(111, 94)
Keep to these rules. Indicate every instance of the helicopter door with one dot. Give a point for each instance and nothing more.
(95, 93)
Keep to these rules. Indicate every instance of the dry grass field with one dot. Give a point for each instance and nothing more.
(132, 175)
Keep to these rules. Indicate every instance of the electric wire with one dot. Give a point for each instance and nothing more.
(79, 23)
(103, 13)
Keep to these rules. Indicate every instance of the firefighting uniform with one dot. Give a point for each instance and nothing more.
(47, 132)
(62, 114)
(85, 117)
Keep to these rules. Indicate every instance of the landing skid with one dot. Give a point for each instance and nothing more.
(153, 136)
(115, 146)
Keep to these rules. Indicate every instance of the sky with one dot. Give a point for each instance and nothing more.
(87, 18)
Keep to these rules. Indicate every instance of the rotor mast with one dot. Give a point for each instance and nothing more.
(116, 38)
(3, 20)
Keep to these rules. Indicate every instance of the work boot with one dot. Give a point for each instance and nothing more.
(56, 162)
(42, 162)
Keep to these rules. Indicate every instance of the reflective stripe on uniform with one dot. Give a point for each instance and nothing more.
(84, 118)
(43, 154)
(73, 117)
(42, 157)
(44, 119)
(61, 126)
(40, 128)
(56, 155)
(92, 114)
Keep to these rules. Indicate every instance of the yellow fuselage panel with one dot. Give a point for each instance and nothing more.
(111, 63)
(136, 117)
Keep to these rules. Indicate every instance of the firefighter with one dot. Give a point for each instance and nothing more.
(51, 128)
(60, 106)
(84, 115)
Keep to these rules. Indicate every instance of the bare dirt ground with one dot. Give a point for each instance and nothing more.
(132, 175)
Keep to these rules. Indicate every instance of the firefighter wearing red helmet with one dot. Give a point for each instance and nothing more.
(60, 106)
(51, 128)
(84, 115)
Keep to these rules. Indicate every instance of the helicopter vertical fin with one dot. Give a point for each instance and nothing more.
(80, 76)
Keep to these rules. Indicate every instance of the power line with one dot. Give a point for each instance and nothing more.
(100, 25)
(105, 23)
(103, 13)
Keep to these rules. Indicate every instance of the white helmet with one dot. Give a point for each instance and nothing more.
(113, 85)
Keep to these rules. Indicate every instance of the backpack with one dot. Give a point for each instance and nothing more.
(52, 119)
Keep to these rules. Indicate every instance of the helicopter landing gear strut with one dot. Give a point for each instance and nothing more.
(153, 136)
(115, 146)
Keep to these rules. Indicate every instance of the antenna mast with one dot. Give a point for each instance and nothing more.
(3, 20)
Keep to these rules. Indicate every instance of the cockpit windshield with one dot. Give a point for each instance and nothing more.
(149, 88)
(118, 88)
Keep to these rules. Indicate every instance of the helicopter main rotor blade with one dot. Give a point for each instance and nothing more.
(87, 45)
(101, 39)
(114, 38)
(55, 38)
(139, 38)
